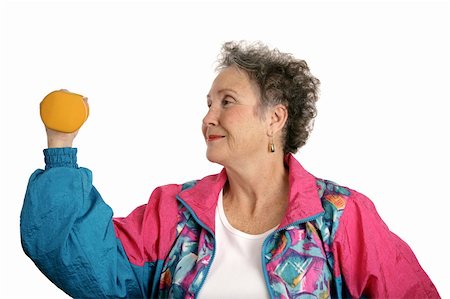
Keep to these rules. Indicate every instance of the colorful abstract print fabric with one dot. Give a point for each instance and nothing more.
(185, 269)
(298, 258)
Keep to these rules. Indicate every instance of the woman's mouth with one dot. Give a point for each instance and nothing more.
(214, 137)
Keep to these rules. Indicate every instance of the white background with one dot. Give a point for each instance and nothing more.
(382, 128)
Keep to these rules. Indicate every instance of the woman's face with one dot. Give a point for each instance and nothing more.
(233, 130)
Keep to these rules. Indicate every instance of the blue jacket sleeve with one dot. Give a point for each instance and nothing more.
(67, 230)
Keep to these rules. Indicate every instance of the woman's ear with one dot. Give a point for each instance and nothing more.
(278, 117)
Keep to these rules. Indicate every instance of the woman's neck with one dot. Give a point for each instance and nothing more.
(255, 187)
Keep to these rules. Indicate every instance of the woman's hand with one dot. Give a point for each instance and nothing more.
(60, 139)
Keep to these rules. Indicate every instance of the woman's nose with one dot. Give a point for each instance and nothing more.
(211, 117)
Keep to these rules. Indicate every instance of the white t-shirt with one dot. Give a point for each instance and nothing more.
(236, 270)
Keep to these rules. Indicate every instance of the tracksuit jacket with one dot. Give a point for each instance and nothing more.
(330, 243)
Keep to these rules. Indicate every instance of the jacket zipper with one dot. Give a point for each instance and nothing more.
(266, 275)
(208, 267)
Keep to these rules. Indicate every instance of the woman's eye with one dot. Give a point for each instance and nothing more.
(226, 101)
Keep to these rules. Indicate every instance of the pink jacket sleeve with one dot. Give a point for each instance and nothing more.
(374, 262)
(148, 233)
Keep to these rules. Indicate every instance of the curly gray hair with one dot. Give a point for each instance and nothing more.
(282, 79)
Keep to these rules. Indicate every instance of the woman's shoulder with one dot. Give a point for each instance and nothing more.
(174, 189)
(341, 205)
(339, 196)
(344, 206)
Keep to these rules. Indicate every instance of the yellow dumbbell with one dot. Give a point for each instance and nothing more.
(64, 111)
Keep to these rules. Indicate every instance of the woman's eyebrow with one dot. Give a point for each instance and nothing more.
(224, 90)
(227, 89)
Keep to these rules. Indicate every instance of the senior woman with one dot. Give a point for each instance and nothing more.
(263, 227)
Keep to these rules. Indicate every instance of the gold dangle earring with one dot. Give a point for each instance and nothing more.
(271, 145)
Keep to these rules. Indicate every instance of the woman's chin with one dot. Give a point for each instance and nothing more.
(214, 157)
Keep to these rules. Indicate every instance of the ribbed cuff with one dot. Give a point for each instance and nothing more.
(60, 157)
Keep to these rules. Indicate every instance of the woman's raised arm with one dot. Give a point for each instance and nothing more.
(68, 231)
